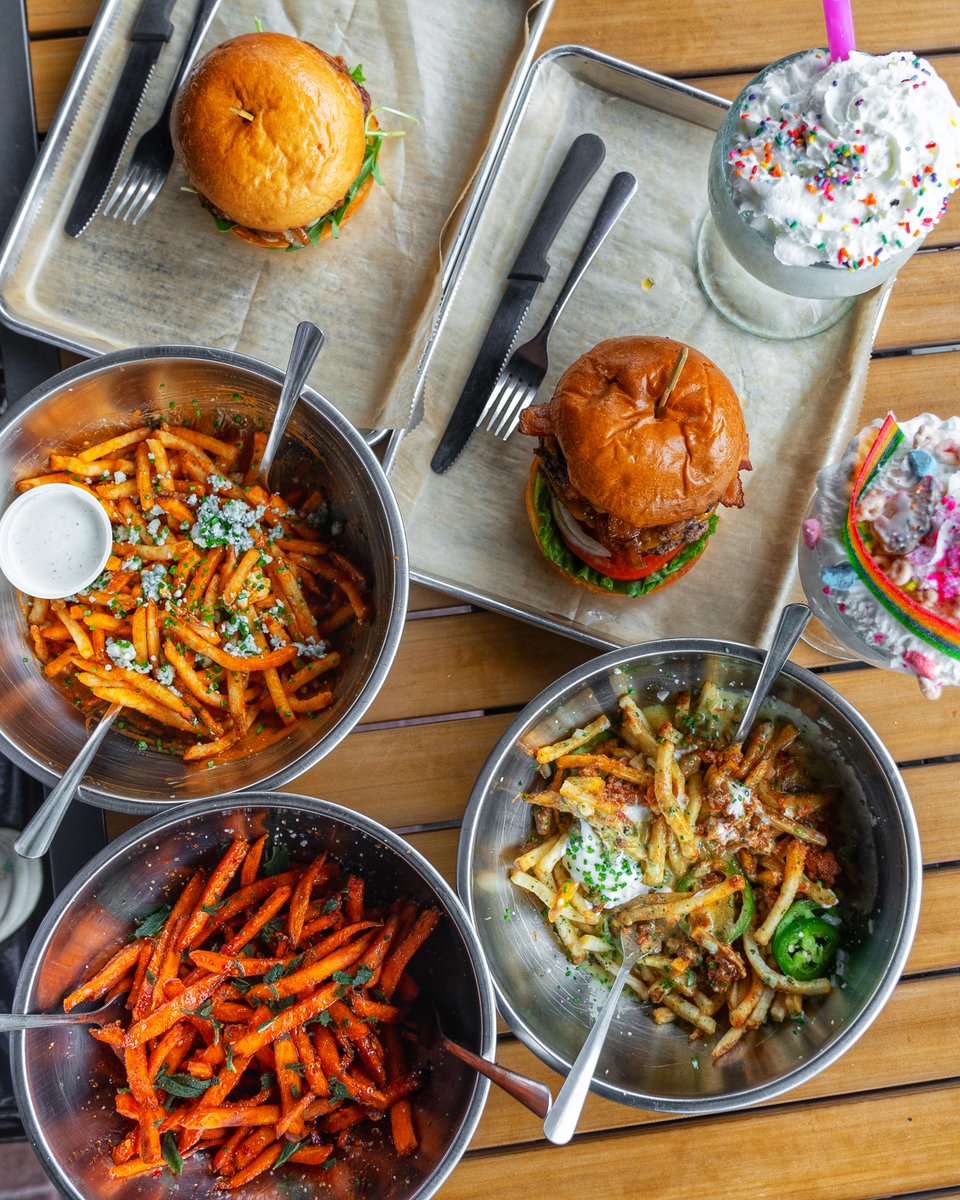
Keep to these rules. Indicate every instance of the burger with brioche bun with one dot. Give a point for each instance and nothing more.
(640, 443)
(277, 138)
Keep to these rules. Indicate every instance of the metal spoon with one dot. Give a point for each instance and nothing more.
(35, 840)
(561, 1122)
(307, 342)
(535, 1096)
(792, 623)
(11, 1022)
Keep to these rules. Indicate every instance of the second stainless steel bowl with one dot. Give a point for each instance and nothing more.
(550, 1006)
(39, 729)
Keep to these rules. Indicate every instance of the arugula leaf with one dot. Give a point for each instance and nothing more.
(278, 1006)
(363, 975)
(357, 75)
(288, 1149)
(272, 930)
(204, 1013)
(367, 168)
(276, 858)
(152, 924)
(183, 1085)
(171, 1155)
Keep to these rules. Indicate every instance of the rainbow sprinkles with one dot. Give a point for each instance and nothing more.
(931, 627)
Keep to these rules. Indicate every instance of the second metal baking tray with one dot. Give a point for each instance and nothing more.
(468, 531)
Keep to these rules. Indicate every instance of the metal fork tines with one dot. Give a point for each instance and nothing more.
(152, 158)
(520, 379)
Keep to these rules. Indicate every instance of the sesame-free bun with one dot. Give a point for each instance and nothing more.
(304, 146)
(647, 467)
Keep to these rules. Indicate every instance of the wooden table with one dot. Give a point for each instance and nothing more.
(884, 1120)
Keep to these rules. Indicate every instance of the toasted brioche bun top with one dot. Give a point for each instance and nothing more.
(297, 157)
(645, 467)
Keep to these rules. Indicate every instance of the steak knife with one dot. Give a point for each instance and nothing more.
(151, 31)
(527, 273)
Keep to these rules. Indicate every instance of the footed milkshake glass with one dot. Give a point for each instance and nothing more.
(742, 275)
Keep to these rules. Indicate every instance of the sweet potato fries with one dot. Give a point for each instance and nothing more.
(265, 1018)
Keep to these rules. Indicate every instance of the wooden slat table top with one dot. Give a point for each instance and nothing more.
(883, 1120)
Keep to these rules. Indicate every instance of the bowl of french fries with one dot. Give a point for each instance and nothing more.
(773, 886)
(244, 625)
(283, 964)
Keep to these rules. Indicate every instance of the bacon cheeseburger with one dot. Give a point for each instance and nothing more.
(273, 134)
(642, 439)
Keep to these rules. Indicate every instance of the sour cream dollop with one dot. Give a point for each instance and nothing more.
(607, 875)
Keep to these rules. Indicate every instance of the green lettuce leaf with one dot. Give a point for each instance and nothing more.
(556, 549)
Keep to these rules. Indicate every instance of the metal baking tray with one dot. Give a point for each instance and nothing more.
(489, 557)
(83, 321)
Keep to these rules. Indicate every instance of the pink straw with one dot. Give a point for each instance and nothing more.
(839, 22)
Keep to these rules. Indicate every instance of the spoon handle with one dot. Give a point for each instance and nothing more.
(11, 1022)
(536, 1096)
(35, 840)
(618, 196)
(307, 342)
(792, 623)
(561, 1122)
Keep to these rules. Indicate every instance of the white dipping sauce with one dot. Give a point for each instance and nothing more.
(54, 540)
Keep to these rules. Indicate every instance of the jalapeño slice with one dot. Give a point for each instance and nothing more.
(804, 944)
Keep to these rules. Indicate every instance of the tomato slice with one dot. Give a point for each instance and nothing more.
(579, 541)
(619, 568)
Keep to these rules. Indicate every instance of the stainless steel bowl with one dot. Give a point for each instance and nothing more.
(65, 1081)
(39, 729)
(550, 1007)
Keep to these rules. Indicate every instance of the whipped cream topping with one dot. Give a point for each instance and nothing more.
(845, 163)
(912, 509)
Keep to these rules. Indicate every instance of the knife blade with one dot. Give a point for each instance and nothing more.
(150, 33)
(527, 273)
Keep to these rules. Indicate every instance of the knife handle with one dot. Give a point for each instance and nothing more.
(152, 24)
(578, 168)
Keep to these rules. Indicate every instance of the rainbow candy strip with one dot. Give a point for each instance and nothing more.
(938, 632)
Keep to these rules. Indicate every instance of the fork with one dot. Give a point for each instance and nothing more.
(520, 379)
(561, 1122)
(149, 166)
